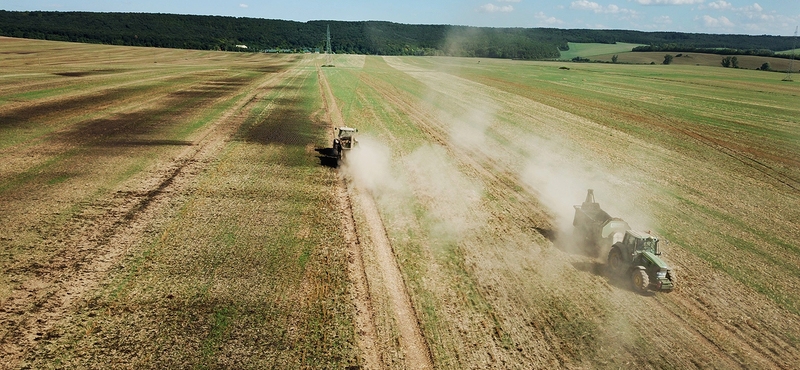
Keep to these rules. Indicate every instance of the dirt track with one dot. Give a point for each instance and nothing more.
(413, 348)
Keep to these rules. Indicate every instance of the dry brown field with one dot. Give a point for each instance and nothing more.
(173, 209)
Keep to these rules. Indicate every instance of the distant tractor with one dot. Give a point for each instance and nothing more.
(633, 253)
(344, 141)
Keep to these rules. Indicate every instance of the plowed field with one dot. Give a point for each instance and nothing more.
(172, 209)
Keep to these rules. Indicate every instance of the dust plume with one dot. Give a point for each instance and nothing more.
(450, 196)
(468, 129)
(429, 179)
(561, 179)
(369, 165)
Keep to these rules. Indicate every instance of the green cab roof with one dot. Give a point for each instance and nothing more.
(642, 234)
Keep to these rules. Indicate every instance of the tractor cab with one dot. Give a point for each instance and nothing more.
(638, 242)
(345, 140)
(346, 132)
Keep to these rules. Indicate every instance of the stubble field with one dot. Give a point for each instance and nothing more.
(167, 208)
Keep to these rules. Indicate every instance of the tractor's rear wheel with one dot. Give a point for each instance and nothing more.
(640, 280)
(615, 259)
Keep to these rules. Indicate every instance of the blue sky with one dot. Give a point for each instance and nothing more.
(771, 17)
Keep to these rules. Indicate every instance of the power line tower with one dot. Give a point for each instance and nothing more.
(791, 61)
(328, 53)
(328, 47)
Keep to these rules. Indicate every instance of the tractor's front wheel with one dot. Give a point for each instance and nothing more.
(640, 280)
(671, 277)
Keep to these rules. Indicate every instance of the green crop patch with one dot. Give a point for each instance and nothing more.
(587, 50)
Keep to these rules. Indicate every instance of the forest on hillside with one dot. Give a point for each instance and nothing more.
(367, 37)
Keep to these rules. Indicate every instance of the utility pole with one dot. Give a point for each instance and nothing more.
(328, 47)
(791, 61)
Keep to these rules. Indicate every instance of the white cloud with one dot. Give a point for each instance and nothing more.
(669, 2)
(597, 8)
(753, 19)
(717, 5)
(711, 22)
(491, 8)
(244, 6)
(751, 12)
(508, 1)
(755, 7)
(724, 5)
(664, 19)
(586, 5)
(544, 20)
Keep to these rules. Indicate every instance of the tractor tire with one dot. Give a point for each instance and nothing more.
(615, 262)
(671, 277)
(640, 280)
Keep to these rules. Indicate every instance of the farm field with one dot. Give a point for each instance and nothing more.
(699, 59)
(167, 208)
(605, 52)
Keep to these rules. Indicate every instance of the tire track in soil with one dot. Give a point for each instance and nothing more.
(40, 303)
(737, 152)
(364, 317)
(412, 343)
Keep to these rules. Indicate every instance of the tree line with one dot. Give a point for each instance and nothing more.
(367, 37)
(760, 51)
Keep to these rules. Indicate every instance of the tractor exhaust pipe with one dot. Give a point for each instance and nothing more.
(589, 197)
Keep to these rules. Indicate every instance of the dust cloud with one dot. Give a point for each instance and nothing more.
(559, 180)
(425, 178)
(468, 129)
(561, 177)
(451, 196)
(369, 165)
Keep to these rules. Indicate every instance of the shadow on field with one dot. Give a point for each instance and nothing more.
(594, 267)
(548, 233)
(35, 114)
(567, 242)
(144, 142)
(327, 157)
(621, 281)
(275, 68)
(88, 73)
(285, 124)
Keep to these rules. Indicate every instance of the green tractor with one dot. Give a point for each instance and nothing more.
(345, 141)
(637, 255)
